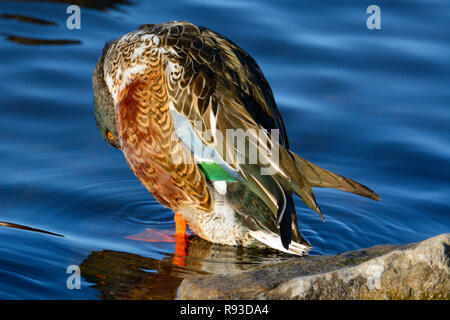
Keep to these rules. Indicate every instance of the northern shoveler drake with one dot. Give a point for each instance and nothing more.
(176, 98)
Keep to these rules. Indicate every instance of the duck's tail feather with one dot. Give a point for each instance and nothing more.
(306, 194)
(319, 177)
(291, 179)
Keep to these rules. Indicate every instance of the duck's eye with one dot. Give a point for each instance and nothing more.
(110, 136)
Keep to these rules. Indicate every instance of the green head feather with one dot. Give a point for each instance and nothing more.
(104, 111)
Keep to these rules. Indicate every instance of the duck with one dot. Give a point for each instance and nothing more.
(197, 123)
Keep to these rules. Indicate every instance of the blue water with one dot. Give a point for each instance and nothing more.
(373, 105)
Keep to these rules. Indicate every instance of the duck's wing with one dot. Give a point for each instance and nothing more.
(218, 87)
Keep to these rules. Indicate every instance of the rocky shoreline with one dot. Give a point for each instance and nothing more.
(413, 271)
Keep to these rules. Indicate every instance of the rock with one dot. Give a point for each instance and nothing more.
(414, 271)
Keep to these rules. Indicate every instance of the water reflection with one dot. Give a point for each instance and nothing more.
(102, 5)
(122, 275)
(27, 19)
(92, 4)
(32, 41)
(22, 227)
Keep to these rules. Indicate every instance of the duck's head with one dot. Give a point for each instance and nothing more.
(104, 111)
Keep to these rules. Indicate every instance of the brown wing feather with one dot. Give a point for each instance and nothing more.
(212, 64)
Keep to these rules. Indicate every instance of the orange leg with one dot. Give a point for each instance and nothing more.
(180, 243)
(155, 235)
(180, 226)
